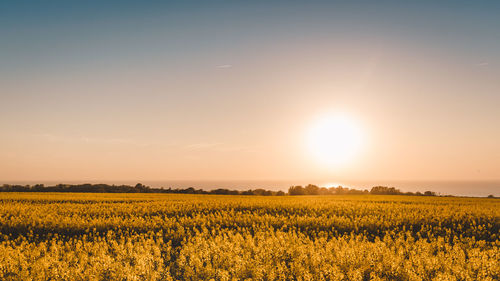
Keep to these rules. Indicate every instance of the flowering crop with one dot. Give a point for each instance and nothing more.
(68, 236)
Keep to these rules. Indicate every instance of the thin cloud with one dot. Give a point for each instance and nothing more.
(217, 146)
(198, 146)
(483, 63)
(52, 138)
(85, 139)
(225, 66)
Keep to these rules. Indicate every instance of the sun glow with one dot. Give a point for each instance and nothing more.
(335, 140)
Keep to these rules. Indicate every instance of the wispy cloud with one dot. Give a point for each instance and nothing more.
(225, 66)
(199, 146)
(108, 140)
(85, 139)
(483, 63)
(217, 146)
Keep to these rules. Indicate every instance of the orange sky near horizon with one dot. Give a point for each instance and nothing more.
(168, 99)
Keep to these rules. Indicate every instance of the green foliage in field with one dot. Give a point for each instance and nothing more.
(201, 237)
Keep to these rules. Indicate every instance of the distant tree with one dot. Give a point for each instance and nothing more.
(324, 191)
(139, 186)
(312, 189)
(429, 193)
(491, 196)
(296, 190)
(378, 190)
(220, 191)
(356, 191)
(384, 190)
(233, 192)
(338, 190)
(262, 192)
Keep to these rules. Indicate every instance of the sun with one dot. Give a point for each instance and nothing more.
(334, 139)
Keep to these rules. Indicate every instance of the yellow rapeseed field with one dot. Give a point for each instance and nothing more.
(83, 236)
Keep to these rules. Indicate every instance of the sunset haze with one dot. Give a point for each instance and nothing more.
(228, 90)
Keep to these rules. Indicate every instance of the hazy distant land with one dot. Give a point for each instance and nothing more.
(456, 188)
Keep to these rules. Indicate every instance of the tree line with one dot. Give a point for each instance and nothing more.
(310, 189)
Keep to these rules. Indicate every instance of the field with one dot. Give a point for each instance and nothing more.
(70, 236)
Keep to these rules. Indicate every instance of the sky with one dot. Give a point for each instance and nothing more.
(212, 90)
